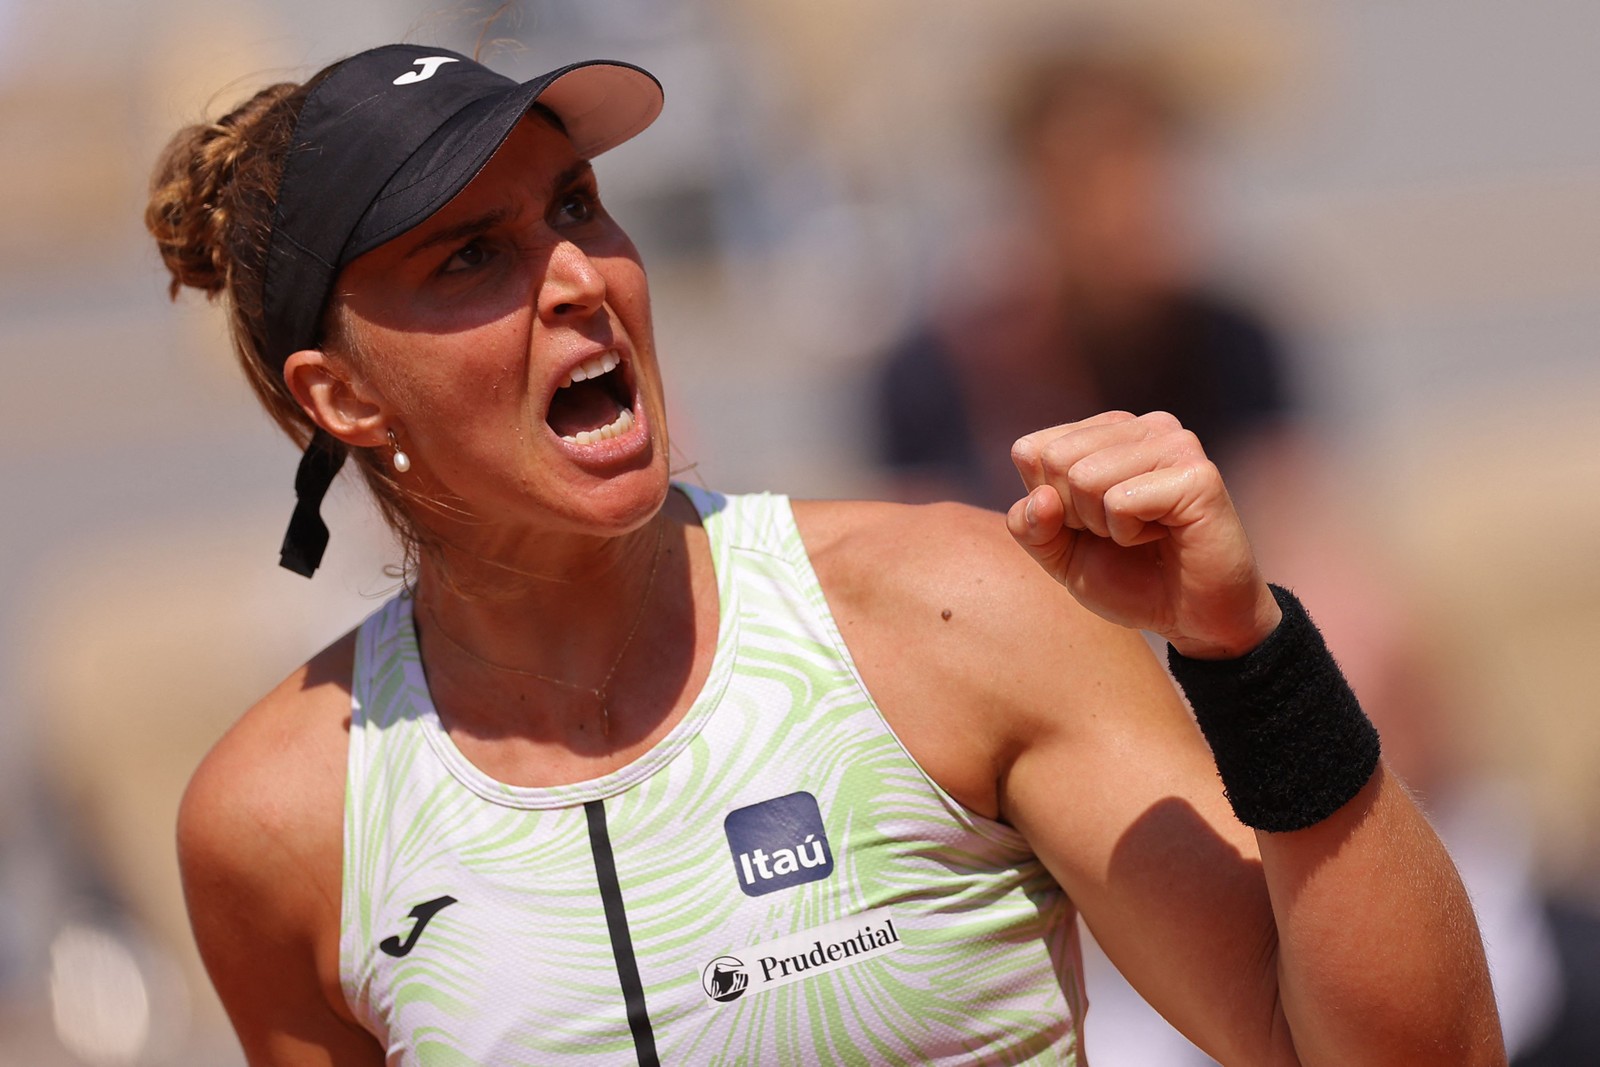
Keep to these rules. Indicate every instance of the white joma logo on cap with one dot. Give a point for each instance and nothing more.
(429, 64)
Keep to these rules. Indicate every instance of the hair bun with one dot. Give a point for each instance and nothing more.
(210, 196)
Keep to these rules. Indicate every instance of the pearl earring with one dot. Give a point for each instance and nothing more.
(401, 461)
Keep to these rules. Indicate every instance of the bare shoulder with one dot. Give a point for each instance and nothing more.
(268, 781)
(260, 846)
(968, 647)
(941, 574)
(942, 555)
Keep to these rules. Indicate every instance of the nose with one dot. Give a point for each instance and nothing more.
(572, 285)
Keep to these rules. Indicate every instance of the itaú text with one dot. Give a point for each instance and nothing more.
(758, 864)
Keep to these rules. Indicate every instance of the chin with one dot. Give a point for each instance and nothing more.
(622, 502)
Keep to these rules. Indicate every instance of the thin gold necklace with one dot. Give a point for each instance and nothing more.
(599, 692)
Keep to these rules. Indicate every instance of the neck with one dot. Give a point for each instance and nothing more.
(566, 624)
(646, 619)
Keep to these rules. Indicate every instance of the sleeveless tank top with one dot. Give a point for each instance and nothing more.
(776, 882)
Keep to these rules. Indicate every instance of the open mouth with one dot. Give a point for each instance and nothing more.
(594, 404)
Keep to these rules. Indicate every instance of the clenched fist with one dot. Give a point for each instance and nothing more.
(1132, 517)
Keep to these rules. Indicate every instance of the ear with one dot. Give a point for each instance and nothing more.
(338, 400)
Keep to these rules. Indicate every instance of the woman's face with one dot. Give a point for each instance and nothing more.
(509, 338)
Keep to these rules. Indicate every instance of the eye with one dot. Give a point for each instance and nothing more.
(470, 256)
(579, 205)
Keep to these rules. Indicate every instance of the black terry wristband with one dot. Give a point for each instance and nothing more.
(1291, 742)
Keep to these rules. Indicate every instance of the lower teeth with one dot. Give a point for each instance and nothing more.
(621, 425)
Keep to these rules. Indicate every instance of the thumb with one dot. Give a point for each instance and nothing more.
(1037, 523)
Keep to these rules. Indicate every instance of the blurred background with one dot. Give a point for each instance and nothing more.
(1356, 243)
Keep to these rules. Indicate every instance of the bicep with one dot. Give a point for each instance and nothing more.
(272, 994)
(1119, 797)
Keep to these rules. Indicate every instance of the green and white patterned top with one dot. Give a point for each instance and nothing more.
(777, 882)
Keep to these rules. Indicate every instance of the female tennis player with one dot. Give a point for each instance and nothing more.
(633, 772)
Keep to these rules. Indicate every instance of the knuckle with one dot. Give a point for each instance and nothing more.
(1182, 446)
(1121, 507)
(1057, 459)
(1204, 471)
(1083, 477)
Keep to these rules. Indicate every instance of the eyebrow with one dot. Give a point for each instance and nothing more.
(477, 224)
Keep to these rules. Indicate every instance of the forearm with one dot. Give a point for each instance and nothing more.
(1379, 957)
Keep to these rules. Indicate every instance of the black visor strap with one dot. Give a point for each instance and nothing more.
(307, 536)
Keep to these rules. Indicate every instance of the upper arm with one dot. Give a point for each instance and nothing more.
(1028, 708)
(1118, 795)
(259, 847)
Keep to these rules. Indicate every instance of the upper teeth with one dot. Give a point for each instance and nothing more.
(593, 368)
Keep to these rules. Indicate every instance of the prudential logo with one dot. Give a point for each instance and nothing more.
(778, 843)
(725, 978)
(846, 942)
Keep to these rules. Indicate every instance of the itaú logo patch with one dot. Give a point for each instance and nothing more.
(778, 843)
(806, 954)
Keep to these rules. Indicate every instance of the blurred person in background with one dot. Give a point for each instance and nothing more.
(635, 771)
(1086, 297)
